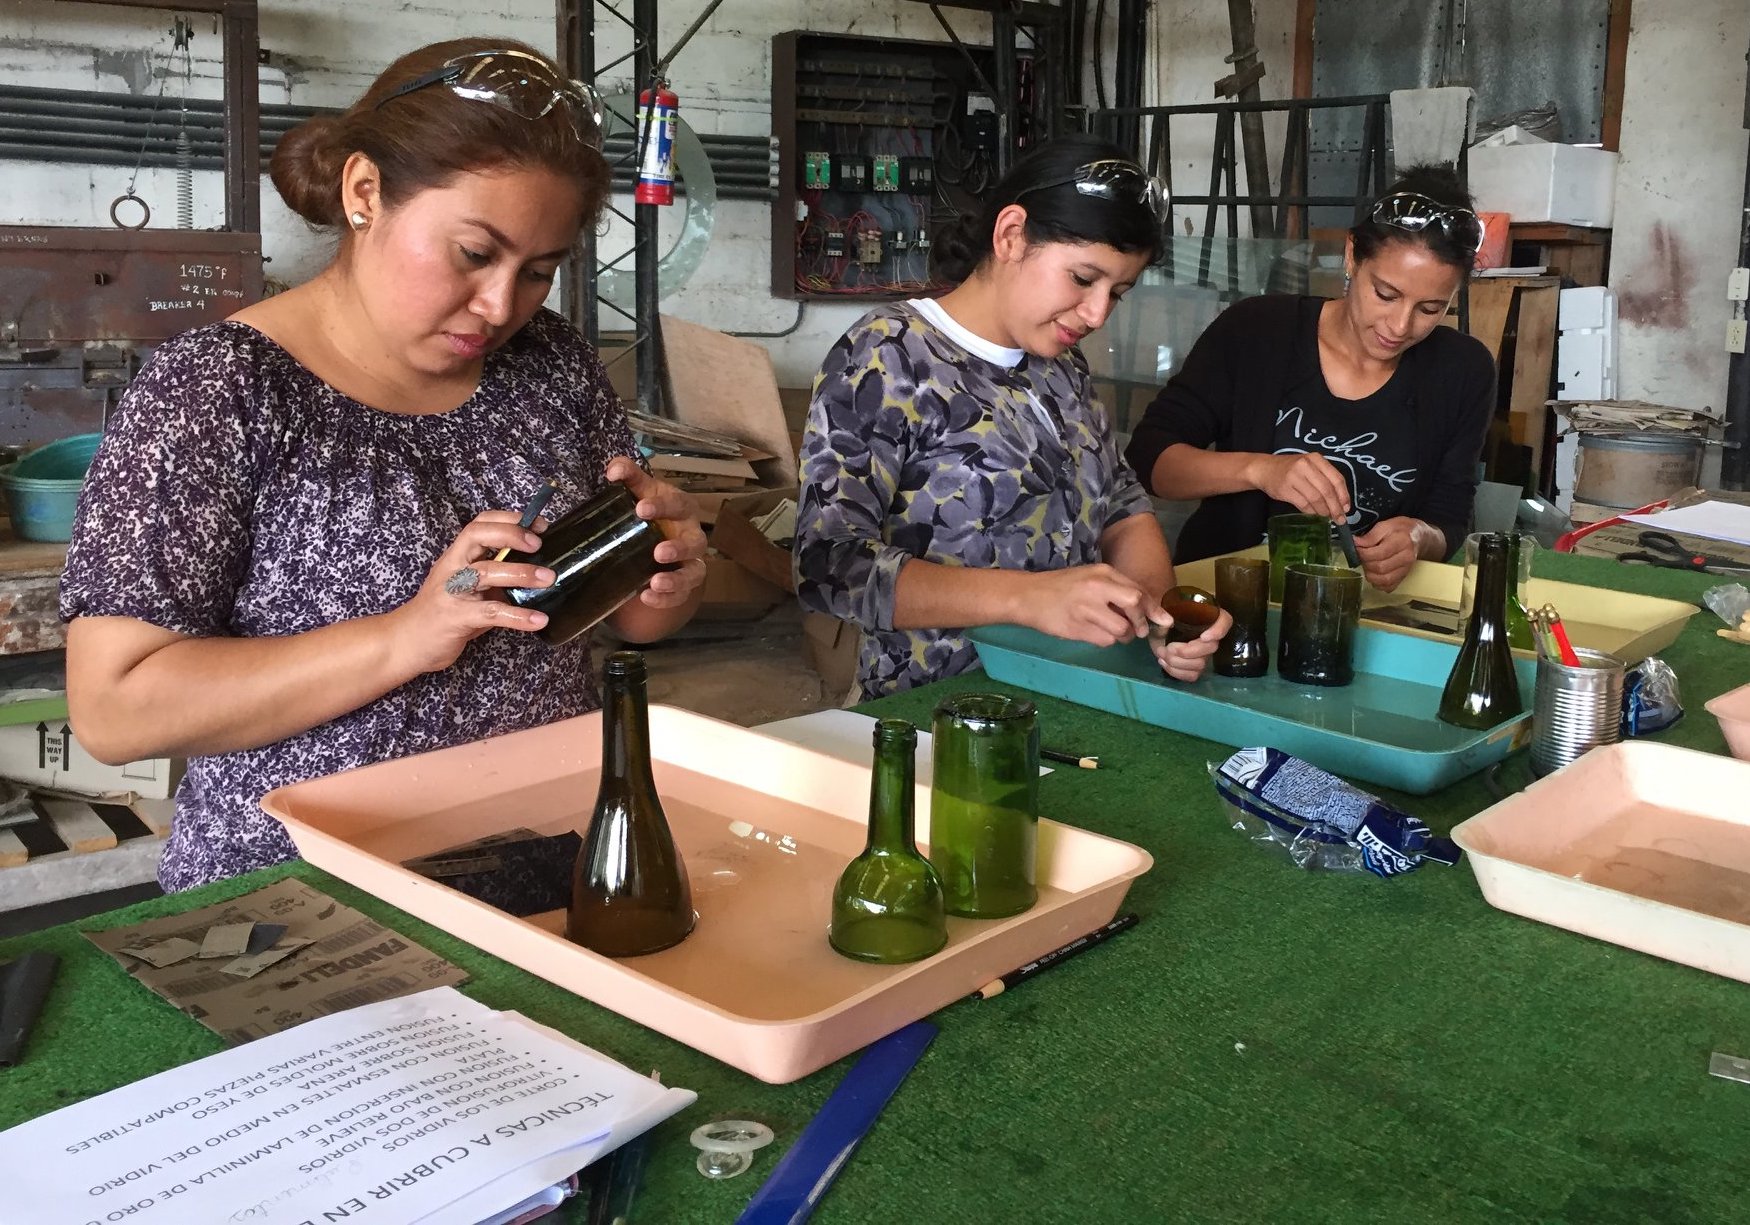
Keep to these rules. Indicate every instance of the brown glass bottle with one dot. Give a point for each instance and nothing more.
(1483, 688)
(601, 554)
(629, 890)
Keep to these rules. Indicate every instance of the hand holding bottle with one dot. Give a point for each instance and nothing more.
(686, 538)
(1097, 604)
(458, 601)
(1186, 661)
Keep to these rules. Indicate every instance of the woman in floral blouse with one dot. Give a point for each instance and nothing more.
(958, 471)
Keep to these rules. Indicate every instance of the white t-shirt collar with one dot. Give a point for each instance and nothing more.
(973, 343)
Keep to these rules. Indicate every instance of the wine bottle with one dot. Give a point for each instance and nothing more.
(629, 890)
(601, 554)
(1483, 688)
(887, 906)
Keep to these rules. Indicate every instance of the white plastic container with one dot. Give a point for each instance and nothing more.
(1644, 845)
(1546, 182)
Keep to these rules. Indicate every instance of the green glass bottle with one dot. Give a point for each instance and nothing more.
(629, 890)
(1518, 620)
(887, 906)
(1483, 688)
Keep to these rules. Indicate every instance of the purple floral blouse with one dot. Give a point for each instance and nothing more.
(238, 495)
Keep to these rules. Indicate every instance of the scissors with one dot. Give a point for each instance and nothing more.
(1665, 550)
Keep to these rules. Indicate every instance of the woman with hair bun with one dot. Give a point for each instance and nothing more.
(957, 469)
(285, 557)
(1362, 408)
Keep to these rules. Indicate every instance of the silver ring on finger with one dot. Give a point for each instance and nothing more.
(465, 581)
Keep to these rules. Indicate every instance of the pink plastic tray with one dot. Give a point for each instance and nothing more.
(1644, 845)
(765, 827)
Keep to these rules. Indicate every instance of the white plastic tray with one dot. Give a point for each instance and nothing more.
(1644, 845)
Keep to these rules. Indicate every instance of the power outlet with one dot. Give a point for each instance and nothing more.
(1737, 333)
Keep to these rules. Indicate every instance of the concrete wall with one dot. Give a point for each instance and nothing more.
(1679, 193)
(324, 52)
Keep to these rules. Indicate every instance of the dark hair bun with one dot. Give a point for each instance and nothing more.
(306, 167)
(954, 249)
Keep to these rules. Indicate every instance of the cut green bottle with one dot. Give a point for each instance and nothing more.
(1483, 687)
(887, 906)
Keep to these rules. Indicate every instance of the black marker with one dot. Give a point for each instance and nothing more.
(1056, 957)
(24, 985)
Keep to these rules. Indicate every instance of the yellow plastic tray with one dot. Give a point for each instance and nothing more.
(1630, 627)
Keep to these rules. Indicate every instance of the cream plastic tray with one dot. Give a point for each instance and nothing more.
(1630, 627)
(1641, 844)
(765, 828)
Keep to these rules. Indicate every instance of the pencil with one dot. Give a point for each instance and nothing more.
(532, 511)
(1056, 957)
(1070, 759)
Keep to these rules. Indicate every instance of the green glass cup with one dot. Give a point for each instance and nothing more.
(1296, 538)
(1321, 606)
(1242, 587)
(984, 804)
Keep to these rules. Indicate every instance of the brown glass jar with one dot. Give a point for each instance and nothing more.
(601, 554)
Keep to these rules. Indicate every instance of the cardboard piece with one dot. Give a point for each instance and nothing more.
(830, 647)
(732, 592)
(735, 536)
(352, 959)
(48, 756)
(724, 383)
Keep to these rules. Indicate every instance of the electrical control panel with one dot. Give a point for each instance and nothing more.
(890, 140)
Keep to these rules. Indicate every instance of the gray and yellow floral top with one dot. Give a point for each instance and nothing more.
(925, 442)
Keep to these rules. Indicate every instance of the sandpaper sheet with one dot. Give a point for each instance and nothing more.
(351, 959)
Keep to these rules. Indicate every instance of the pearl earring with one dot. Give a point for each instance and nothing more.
(359, 221)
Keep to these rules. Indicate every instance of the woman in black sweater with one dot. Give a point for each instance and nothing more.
(1363, 408)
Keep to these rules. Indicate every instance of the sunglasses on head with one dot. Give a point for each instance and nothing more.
(1414, 212)
(521, 83)
(1115, 179)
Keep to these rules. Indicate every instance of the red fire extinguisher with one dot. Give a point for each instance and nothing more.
(656, 122)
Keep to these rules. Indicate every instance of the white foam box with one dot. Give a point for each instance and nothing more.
(1571, 184)
(49, 756)
(1586, 345)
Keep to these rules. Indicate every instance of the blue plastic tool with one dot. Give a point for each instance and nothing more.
(803, 1174)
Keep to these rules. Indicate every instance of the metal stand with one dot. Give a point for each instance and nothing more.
(577, 54)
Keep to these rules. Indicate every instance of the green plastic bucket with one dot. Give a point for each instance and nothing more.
(42, 488)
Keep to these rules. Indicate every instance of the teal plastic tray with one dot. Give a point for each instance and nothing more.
(1382, 728)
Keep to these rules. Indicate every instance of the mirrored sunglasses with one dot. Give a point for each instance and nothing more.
(1412, 211)
(521, 83)
(1121, 181)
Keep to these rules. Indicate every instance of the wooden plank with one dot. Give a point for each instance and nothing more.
(157, 814)
(1304, 11)
(12, 852)
(1534, 353)
(80, 828)
(1490, 300)
(1615, 72)
(21, 557)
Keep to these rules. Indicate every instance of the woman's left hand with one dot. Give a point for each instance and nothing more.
(1389, 548)
(686, 539)
(1185, 661)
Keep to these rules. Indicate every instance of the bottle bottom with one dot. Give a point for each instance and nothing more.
(1001, 906)
(630, 935)
(886, 940)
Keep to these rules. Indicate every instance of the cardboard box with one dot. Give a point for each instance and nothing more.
(732, 592)
(830, 647)
(48, 756)
(735, 535)
(1546, 182)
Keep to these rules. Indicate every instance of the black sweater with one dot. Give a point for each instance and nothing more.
(1237, 377)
